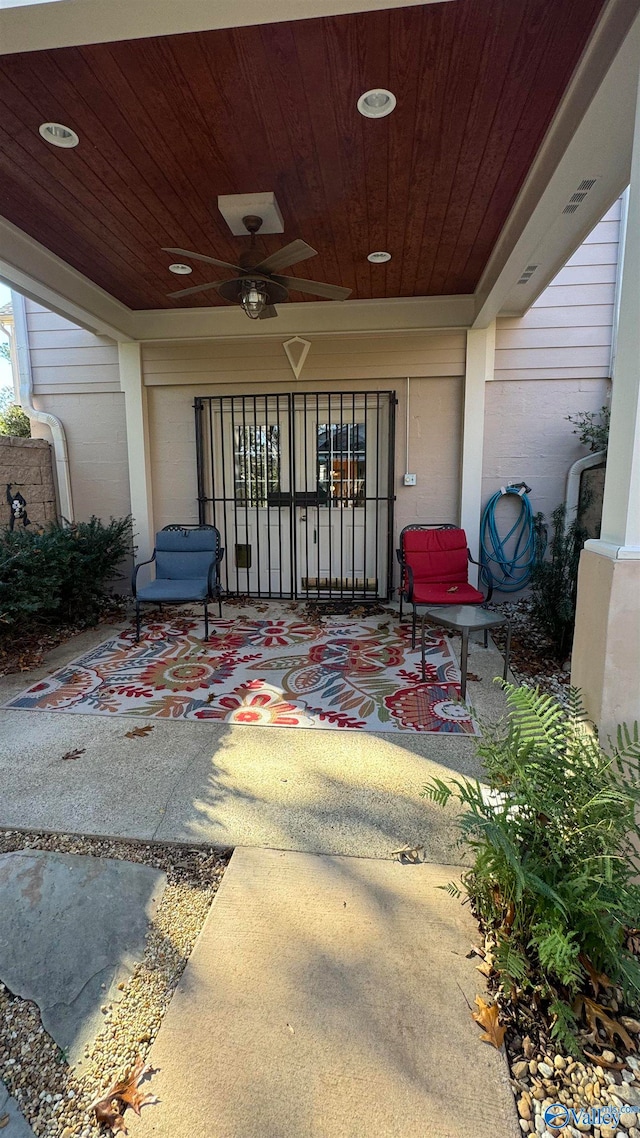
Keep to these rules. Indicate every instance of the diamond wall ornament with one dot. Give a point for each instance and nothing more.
(297, 351)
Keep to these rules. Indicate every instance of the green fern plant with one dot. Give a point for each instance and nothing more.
(554, 841)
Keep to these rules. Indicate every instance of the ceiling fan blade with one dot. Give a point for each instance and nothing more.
(268, 312)
(314, 288)
(194, 289)
(201, 257)
(289, 255)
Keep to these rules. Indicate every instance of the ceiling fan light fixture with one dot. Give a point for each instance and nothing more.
(378, 258)
(376, 103)
(180, 270)
(58, 135)
(253, 298)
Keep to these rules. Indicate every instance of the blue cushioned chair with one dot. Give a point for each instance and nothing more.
(187, 562)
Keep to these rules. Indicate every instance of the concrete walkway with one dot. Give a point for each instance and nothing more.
(328, 998)
(343, 792)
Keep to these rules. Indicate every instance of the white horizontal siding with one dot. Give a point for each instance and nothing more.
(567, 332)
(66, 359)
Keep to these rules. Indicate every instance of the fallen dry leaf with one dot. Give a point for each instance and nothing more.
(453, 589)
(74, 754)
(4, 1121)
(139, 732)
(596, 1016)
(475, 950)
(487, 1017)
(486, 968)
(408, 853)
(596, 978)
(600, 1062)
(123, 1093)
(509, 916)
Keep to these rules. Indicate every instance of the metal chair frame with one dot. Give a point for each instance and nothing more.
(406, 573)
(214, 587)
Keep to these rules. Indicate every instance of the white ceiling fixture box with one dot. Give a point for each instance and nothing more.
(235, 207)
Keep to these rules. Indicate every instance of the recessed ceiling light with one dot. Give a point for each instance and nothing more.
(378, 258)
(59, 135)
(180, 270)
(377, 103)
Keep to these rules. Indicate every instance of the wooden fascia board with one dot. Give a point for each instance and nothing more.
(67, 23)
(398, 314)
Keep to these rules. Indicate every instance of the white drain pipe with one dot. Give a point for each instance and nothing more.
(21, 359)
(572, 492)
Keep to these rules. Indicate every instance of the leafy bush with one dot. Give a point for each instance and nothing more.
(592, 427)
(554, 582)
(555, 864)
(62, 575)
(13, 420)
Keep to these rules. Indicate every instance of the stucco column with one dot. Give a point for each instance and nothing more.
(480, 362)
(138, 447)
(606, 648)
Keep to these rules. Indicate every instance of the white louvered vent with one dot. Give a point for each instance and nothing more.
(579, 194)
(527, 274)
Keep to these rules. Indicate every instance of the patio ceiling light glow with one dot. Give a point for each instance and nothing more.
(253, 298)
(379, 258)
(180, 270)
(377, 103)
(58, 135)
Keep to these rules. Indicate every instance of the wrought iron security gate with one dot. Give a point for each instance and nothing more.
(301, 488)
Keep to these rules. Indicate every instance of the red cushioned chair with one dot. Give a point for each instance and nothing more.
(434, 560)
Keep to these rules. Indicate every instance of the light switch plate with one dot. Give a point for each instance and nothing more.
(409, 479)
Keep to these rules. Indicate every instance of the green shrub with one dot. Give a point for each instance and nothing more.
(61, 575)
(592, 428)
(554, 582)
(554, 860)
(13, 421)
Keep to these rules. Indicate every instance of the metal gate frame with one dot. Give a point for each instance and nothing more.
(221, 501)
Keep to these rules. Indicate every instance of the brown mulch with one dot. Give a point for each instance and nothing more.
(22, 651)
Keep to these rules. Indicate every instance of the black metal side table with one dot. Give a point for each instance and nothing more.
(465, 619)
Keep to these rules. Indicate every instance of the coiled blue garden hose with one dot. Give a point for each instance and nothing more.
(509, 559)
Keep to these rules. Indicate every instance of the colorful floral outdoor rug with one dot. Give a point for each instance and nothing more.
(285, 671)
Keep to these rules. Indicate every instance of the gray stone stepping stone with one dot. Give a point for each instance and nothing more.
(17, 1126)
(72, 929)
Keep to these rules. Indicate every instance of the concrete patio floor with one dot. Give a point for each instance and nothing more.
(340, 792)
(327, 995)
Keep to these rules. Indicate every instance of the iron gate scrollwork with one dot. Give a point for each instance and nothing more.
(301, 488)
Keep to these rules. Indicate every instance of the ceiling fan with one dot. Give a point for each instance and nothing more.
(257, 285)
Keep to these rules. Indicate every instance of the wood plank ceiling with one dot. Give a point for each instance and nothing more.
(167, 124)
